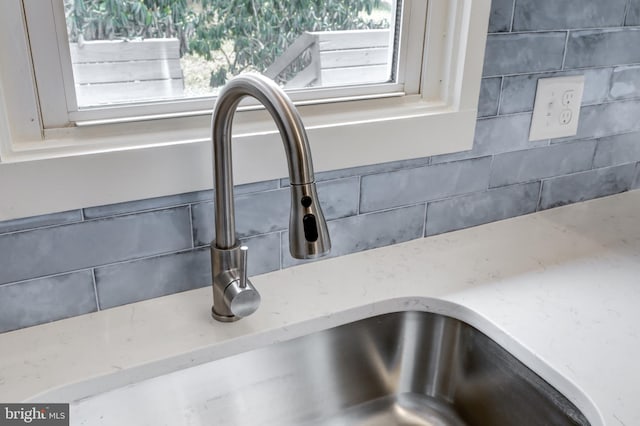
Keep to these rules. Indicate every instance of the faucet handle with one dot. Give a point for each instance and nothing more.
(244, 252)
(242, 296)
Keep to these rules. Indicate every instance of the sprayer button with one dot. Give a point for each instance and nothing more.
(310, 228)
(306, 201)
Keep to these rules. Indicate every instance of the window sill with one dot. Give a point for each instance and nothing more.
(103, 164)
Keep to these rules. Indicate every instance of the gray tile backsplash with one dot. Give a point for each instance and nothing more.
(481, 207)
(40, 221)
(53, 250)
(625, 82)
(65, 264)
(522, 53)
(595, 48)
(633, 14)
(539, 163)
(501, 15)
(410, 186)
(617, 150)
(607, 119)
(536, 15)
(28, 303)
(489, 96)
(582, 186)
(137, 280)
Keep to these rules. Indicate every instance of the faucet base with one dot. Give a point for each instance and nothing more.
(223, 318)
(234, 297)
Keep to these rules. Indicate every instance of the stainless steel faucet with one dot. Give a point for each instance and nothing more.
(234, 296)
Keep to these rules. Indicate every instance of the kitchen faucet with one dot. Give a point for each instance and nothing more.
(234, 296)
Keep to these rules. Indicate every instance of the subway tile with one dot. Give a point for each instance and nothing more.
(500, 17)
(47, 299)
(249, 188)
(519, 92)
(479, 208)
(48, 251)
(172, 200)
(41, 221)
(143, 279)
(489, 96)
(264, 253)
(633, 14)
(146, 204)
(367, 231)
(537, 15)
(503, 134)
(523, 53)
(538, 163)
(608, 119)
(593, 48)
(412, 186)
(266, 212)
(586, 185)
(366, 170)
(617, 150)
(625, 82)
(495, 135)
(263, 212)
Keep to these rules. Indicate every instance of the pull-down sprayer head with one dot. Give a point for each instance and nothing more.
(308, 234)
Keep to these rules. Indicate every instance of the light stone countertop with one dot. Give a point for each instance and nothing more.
(559, 289)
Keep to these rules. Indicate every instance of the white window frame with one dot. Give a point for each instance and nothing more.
(48, 165)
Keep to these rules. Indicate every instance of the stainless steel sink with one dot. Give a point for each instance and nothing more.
(408, 368)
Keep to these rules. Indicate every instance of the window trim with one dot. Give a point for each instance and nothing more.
(65, 168)
(54, 74)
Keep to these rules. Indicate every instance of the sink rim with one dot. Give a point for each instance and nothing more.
(118, 378)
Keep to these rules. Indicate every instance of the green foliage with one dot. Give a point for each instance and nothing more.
(257, 31)
(127, 19)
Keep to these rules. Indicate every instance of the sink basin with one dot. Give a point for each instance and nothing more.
(405, 368)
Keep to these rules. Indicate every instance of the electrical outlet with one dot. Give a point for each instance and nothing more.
(557, 108)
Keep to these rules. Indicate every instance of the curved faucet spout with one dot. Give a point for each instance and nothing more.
(308, 234)
(291, 129)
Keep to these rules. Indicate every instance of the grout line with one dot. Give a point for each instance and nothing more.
(593, 157)
(513, 15)
(135, 212)
(587, 68)
(560, 30)
(191, 230)
(564, 55)
(424, 223)
(95, 288)
(488, 188)
(540, 194)
(53, 275)
(281, 251)
(627, 9)
(82, 218)
(148, 257)
(359, 195)
(502, 78)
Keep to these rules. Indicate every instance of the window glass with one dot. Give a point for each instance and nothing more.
(143, 50)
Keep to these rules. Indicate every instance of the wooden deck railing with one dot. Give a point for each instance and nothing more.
(107, 71)
(337, 58)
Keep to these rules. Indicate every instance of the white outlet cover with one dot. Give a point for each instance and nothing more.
(557, 108)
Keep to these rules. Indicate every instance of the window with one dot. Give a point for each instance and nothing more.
(54, 123)
(128, 51)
